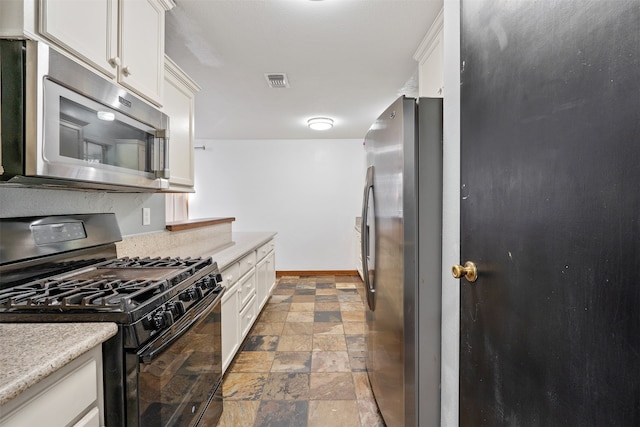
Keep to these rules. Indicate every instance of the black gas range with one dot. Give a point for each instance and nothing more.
(164, 365)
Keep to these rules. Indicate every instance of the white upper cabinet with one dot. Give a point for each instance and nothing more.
(430, 58)
(179, 105)
(142, 47)
(123, 39)
(86, 28)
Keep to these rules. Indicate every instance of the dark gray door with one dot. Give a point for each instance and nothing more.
(550, 213)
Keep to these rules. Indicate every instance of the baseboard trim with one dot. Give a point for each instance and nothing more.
(306, 273)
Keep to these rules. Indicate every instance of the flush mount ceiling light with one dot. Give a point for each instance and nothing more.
(320, 123)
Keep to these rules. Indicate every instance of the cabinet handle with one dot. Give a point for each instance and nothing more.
(126, 71)
(114, 62)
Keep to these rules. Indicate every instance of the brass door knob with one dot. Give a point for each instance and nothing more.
(469, 271)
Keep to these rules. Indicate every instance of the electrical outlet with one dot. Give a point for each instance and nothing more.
(146, 216)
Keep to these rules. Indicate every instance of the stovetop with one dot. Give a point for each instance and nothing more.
(144, 295)
(119, 285)
(64, 269)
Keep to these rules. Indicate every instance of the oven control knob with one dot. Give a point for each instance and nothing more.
(191, 294)
(162, 319)
(209, 282)
(218, 277)
(197, 293)
(205, 282)
(176, 308)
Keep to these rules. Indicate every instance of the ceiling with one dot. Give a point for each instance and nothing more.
(344, 59)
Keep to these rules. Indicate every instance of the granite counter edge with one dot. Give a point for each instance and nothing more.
(67, 342)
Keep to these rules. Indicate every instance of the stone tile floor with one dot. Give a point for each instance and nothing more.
(303, 364)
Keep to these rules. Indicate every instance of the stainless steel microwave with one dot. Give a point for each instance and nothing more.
(63, 125)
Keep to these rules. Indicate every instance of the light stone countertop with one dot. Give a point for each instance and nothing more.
(241, 244)
(226, 253)
(32, 351)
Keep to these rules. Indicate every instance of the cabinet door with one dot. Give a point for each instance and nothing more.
(92, 419)
(142, 48)
(60, 398)
(179, 105)
(262, 284)
(248, 317)
(86, 28)
(265, 279)
(247, 287)
(431, 62)
(230, 325)
(271, 272)
(357, 251)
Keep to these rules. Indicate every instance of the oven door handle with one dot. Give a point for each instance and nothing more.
(161, 343)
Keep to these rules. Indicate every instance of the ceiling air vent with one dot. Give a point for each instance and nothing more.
(277, 80)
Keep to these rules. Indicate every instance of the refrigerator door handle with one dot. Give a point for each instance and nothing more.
(365, 244)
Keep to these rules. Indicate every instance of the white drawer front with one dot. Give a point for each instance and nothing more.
(59, 404)
(247, 263)
(231, 274)
(248, 316)
(266, 248)
(246, 288)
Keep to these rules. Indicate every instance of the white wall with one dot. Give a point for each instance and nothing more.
(308, 191)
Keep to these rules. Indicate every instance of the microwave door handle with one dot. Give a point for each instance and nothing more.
(161, 158)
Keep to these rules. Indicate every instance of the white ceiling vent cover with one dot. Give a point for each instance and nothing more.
(277, 80)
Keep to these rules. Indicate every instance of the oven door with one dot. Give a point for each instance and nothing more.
(179, 372)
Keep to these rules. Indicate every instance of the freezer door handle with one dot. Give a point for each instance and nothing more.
(368, 234)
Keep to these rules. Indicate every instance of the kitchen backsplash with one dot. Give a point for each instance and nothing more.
(23, 201)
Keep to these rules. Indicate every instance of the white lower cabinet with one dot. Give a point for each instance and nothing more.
(265, 279)
(92, 419)
(237, 318)
(248, 316)
(271, 272)
(71, 396)
(230, 325)
(357, 251)
(249, 285)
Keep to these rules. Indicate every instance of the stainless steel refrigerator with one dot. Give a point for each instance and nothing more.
(401, 253)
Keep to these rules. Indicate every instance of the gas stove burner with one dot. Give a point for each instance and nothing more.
(154, 262)
(117, 285)
(114, 295)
